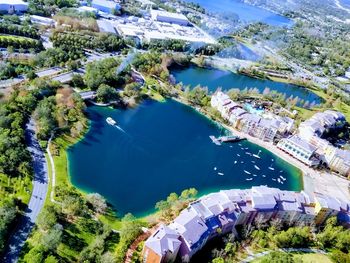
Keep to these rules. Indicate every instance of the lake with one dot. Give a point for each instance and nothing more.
(214, 78)
(245, 12)
(162, 148)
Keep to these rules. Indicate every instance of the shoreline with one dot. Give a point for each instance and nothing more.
(312, 181)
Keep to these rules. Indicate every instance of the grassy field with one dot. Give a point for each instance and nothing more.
(305, 258)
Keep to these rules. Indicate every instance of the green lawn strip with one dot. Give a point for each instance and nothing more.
(312, 257)
(304, 257)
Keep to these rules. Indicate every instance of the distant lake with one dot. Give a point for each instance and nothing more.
(246, 12)
(214, 78)
(164, 148)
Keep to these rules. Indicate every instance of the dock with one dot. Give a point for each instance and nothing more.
(224, 139)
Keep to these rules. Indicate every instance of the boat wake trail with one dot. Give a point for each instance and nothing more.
(119, 128)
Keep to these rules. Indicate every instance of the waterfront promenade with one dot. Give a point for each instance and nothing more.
(313, 180)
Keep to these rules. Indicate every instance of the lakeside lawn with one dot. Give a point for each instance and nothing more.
(62, 176)
(304, 257)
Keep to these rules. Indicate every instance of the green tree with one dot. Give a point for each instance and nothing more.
(106, 93)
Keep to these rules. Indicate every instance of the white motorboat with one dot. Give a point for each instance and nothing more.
(247, 172)
(110, 121)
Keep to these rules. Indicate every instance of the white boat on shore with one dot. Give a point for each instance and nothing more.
(110, 121)
(247, 172)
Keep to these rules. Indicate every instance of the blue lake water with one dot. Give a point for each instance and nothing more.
(164, 148)
(214, 78)
(345, 3)
(246, 12)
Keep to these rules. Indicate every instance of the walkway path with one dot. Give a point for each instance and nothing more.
(37, 200)
(252, 257)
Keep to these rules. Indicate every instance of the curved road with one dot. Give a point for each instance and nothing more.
(37, 200)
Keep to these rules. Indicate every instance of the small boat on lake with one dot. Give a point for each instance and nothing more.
(255, 175)
(238, 155)
(279, 180)
(271, 168)
(215, 168)
(248, 153)
(273, 179)
(247, 172)
(257, 167)
(249, 179)
(257, 155)
(110, 121)
(220, 173)
(235, 162)
(263, 175)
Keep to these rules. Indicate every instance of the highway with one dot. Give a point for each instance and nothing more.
(37, 200)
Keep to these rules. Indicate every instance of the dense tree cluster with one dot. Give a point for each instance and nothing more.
(54, 56)
(20, 42)
(14, 157)
(48, 7)
(7, 215)
(102, 72)
(78, 41)
(261, 235)
(19, 30)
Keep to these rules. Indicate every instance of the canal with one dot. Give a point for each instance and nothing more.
(161, 148)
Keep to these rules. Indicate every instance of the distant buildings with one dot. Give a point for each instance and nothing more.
(105, 6)
(252, 124)
(220, 213)
(45, 21)
(161, 25)
(13, 6)
(167, 17)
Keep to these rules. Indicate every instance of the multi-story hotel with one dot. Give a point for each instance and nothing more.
(220, 213)
(263, 128)
(299, 149)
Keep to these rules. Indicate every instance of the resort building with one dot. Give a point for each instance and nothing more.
(312, 131)
(220, 213)
(326, 206)
(167, 17)
(255, 125)
(338, 160)
(299, 149)
(13, 6)
(162, 246)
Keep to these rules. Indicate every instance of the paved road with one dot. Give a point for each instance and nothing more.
(36, 203)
